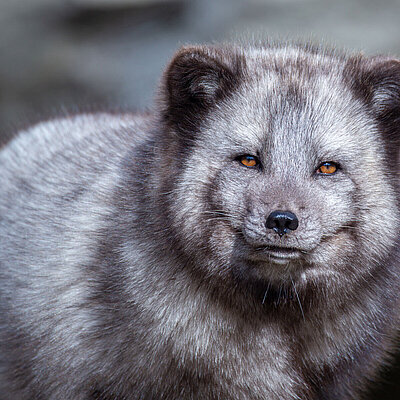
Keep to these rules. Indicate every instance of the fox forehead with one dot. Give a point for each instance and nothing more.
(274, 115)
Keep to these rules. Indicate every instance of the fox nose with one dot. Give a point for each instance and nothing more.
(282, 221)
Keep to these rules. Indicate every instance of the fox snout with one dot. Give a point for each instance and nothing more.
(282, 222)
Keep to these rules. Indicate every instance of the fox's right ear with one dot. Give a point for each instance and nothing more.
(376, 81)
(195, 80)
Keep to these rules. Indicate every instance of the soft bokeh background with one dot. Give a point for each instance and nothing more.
(63, 55)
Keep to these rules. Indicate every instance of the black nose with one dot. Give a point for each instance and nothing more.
(282, 221)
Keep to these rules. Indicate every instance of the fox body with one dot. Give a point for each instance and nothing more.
(239, 242)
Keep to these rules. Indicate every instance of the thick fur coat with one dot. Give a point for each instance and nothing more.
(240, 242)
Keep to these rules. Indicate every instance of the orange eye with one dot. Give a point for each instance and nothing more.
(327, 168)
(249, 161)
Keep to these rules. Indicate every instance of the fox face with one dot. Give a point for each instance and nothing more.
(285, 170)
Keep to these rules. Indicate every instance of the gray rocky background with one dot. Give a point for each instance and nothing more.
(66, 55)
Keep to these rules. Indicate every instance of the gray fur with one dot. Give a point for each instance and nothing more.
(135, 262)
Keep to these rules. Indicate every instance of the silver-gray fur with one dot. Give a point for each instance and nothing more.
(135, 258)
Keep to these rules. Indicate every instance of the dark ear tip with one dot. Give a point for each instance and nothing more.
(188, 53)
(385, 61)
(184, 52)
(384, 67)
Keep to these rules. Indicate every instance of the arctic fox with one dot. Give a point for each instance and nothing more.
(240, 242)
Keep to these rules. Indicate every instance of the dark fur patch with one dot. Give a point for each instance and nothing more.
(196, 79)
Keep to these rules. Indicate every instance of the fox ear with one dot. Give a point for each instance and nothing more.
(196, 79)
(384, 78)
(377, 82)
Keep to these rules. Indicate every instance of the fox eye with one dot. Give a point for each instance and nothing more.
(327, 168)
(248, 161)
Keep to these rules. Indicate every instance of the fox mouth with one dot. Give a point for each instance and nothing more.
(280, 255)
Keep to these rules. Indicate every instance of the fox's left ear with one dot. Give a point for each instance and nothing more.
(376, 81)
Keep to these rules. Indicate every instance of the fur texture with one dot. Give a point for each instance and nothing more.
(135, 258)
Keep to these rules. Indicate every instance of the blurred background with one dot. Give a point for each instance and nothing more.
(60, 55)
(67, 55)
